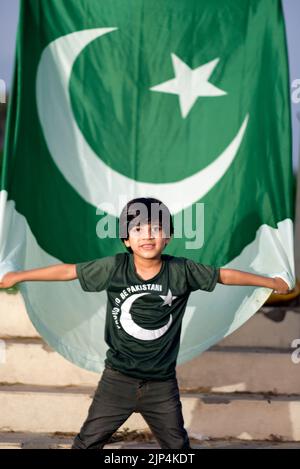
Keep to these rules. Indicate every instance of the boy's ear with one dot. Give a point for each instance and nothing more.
(168, 240)
(127, 243)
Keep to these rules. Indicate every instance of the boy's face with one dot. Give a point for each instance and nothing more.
(147, 241)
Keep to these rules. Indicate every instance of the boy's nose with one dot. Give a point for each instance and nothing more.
(147, 232)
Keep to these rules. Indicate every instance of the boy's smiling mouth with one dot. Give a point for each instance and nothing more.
(147, 246)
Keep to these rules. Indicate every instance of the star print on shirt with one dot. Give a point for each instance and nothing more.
(168, 298)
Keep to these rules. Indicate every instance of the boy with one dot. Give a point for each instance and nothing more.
(147, 293)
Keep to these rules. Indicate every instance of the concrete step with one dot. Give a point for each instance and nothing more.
(259, 331)
(14, 320)
(31, 361)
(245, 417)
(10, 440)
(241, 370)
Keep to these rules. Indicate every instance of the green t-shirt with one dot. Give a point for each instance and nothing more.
(144, 317)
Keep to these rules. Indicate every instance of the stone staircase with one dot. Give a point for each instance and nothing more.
(245, 389)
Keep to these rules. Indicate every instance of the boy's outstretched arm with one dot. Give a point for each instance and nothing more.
(52, 273)
(238, 277)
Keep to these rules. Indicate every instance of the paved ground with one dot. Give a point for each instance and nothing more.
(43, 441)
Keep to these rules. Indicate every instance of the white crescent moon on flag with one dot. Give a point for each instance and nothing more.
(95, 181)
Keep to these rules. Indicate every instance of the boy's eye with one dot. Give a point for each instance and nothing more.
(140, 230)
(135, 231)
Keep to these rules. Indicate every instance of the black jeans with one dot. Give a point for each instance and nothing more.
(118, 396)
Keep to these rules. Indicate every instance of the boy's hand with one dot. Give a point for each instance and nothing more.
(280, 286)
(8, 280)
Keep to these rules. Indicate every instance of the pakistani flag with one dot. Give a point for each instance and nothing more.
(185, 101)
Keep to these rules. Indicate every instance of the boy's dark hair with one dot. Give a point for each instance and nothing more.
(144, 210)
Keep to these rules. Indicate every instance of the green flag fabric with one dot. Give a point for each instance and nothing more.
(186, 101)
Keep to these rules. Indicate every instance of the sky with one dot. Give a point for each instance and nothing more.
(9, 11)
(8, 26)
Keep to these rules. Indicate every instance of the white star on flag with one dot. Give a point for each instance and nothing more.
(190, 84)
(168, 298)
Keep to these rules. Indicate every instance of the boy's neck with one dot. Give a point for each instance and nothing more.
(144, 264)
